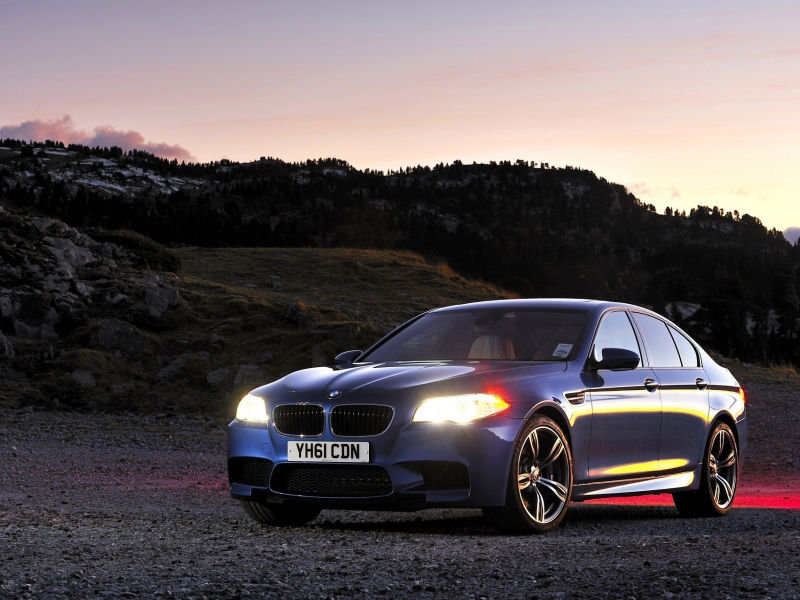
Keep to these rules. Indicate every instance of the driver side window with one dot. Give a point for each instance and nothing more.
(616, 331)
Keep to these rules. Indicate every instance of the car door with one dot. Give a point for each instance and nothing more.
(626, 408)
(684, 393)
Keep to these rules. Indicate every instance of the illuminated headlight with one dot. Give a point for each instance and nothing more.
(252, 408)
(459, 409)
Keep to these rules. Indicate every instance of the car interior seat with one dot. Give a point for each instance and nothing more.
(492, 347)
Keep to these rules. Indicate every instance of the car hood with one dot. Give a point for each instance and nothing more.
(359, 382)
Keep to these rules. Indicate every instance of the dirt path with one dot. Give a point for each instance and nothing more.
(122, 506)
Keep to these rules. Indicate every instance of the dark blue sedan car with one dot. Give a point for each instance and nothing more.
(517, 407)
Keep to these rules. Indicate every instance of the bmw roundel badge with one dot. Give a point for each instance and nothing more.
(335, 394)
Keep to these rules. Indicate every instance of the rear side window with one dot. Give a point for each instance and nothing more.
(616, 331)
(687, 351)
(663, 353)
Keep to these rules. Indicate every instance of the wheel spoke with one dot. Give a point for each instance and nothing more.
(533, 440)
(539, 506)
(555, 452)
(559, 490)
(721, 436)
(729, 461)
(726, 487)
(524, 481)
(716, 489)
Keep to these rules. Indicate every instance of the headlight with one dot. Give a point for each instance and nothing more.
(459, 409)
(252, 408)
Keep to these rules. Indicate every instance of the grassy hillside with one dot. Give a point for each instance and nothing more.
(379, 288)
(245, 317)
(285, 309)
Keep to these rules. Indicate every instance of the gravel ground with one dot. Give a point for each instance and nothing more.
(124, 506)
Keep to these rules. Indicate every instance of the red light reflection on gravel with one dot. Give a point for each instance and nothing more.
(744, 499)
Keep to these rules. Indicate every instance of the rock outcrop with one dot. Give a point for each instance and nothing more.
(118, 336)
(70, 306)
(217, 378)
(6, 347)
(247, 376)
(84, 378)
(155, 297)
(295, 314)
(171, 369)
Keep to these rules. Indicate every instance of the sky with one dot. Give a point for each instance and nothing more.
(685, 103)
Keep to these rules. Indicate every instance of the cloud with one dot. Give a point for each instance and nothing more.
(792, 234)
(642, 189)
(63, 130)
(638, 189)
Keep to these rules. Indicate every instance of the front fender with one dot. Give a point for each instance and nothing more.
(574, 418)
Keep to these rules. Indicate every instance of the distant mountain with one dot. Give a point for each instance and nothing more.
(727, 279)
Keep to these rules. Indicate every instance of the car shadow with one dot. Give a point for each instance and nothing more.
(470, 522)
(580, 514)
(411, 524)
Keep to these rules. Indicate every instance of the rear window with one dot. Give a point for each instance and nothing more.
(687, 351)
(522, 335)
(663, 353)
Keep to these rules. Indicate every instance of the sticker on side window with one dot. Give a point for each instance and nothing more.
(562, 350)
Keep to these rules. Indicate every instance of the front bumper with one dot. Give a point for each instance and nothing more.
(484, 448)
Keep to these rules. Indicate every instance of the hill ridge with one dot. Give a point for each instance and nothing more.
(536, 231)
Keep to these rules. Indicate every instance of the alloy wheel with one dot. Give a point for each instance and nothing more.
(543, 474)
(722, 468)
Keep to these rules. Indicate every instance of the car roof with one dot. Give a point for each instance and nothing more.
(537, 303)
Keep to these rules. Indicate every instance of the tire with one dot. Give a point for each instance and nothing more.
(718, 480)
(539, 482)
(281, 515)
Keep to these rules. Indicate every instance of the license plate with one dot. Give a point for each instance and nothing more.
(333, 452)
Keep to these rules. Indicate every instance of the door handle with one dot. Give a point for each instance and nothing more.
(651, 385)
(701, 383)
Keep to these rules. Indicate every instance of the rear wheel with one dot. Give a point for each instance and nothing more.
(540, 482)
(718, 480)
(280, 515)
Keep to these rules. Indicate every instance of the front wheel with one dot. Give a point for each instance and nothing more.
(540, 482)
(281, 515)
(718, 481)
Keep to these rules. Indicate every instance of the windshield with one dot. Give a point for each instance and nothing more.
(539, 335)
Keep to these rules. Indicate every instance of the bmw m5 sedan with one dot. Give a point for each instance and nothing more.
(517, 407)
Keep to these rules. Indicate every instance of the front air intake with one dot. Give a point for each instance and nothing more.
(444, 475)
(360, 420)
(332, 481)
(249, 471)
(299, 419)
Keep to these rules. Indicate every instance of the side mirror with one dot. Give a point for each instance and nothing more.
(615, 359)
(346, 358)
